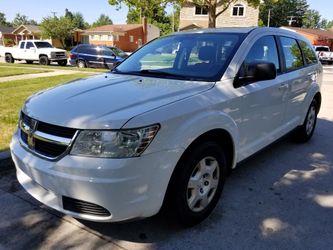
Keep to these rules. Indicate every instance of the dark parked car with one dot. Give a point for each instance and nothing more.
(87, 55)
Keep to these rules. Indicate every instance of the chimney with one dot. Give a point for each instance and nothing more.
(145, 29)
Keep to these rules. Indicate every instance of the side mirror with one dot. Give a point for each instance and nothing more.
(254, 72)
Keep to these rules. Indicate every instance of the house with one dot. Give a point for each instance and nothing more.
(6, 36)
(127, 37)
(315, 36)
(238, 14)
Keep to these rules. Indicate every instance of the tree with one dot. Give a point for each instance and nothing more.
(77, 19)
(154, 12)
(57, 28)
(102, 20)
(22, 19)
(283, 12)
(3, 20)
(311, 19)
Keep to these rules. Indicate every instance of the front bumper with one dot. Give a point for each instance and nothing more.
(127, 188)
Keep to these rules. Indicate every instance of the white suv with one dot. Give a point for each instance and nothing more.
(167, 124)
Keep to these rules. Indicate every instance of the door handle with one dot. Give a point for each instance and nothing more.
(283, 86)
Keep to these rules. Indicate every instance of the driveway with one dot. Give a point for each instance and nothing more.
(280, 199)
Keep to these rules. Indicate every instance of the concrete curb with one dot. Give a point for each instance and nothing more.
(5, 155)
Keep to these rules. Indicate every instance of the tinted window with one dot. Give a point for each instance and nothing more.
(292, 53)
(106, 52)
(22, 45)
(91, 50)
(42, 45)
(264, 50)
(30, 45)
(322, 49)
(309, 54)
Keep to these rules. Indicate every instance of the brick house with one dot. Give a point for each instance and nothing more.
(315, 36)
(6, 36)
(239, 14)
(127, 37)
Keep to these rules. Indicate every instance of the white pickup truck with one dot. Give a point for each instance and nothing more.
(324, 54)
(35, 50)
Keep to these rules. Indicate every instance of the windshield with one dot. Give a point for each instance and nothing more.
(184, 56)
(322, 49)
(42, 45)
(118, 52)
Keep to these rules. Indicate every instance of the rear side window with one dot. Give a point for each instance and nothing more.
(292, 53)
(264, 49)
(90, 50)
(30, 45)
(22, 45)
(309, 54)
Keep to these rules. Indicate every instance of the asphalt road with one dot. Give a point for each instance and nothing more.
(280, 199)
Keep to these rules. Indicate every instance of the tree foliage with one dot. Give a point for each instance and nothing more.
(102, 20)
(22, 19)
(311, 19)
(77, 19)
(3, 20)
(57, 28)
(154, 11)
(283, 12)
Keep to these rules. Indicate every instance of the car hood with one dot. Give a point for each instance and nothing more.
(107, 101)
(51, 50)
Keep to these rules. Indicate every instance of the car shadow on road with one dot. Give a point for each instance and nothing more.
(273, 196)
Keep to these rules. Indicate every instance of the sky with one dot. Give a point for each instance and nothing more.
(91, 9)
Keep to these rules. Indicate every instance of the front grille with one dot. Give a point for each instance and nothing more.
(47, 140)
(49, 149)
(84, 207)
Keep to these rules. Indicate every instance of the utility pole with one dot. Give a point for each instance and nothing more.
(54, 13)
(173, 19)
(269, 17)
(291, 20)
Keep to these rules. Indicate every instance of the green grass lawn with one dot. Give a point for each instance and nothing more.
(10, 71)
(21, 65)
(12, 96)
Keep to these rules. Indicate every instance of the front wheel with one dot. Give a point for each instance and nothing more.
(62, 63)
(304, 132)
(43, 60)
(197, 184)
(9, 58)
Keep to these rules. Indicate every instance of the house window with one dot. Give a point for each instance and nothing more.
(131, 38)
(201, 11)
(238, 10)
(110, 37)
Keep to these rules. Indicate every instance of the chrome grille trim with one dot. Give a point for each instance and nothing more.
(32, 134)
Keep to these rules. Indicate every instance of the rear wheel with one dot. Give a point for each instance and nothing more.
(81, 64)
(9, 58)
(43, 60)
(197, 184)
(62, 63)
(304, 132)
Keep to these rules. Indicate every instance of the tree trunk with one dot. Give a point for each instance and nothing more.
(212, 16)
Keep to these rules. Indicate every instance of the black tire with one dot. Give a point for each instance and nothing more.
(180, 194)
(304, 132)
(62, 63)
(81, 64)
(43, 60)
(29, 61)
(9, 58)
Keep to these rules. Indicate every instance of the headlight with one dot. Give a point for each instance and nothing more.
(114, 144)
